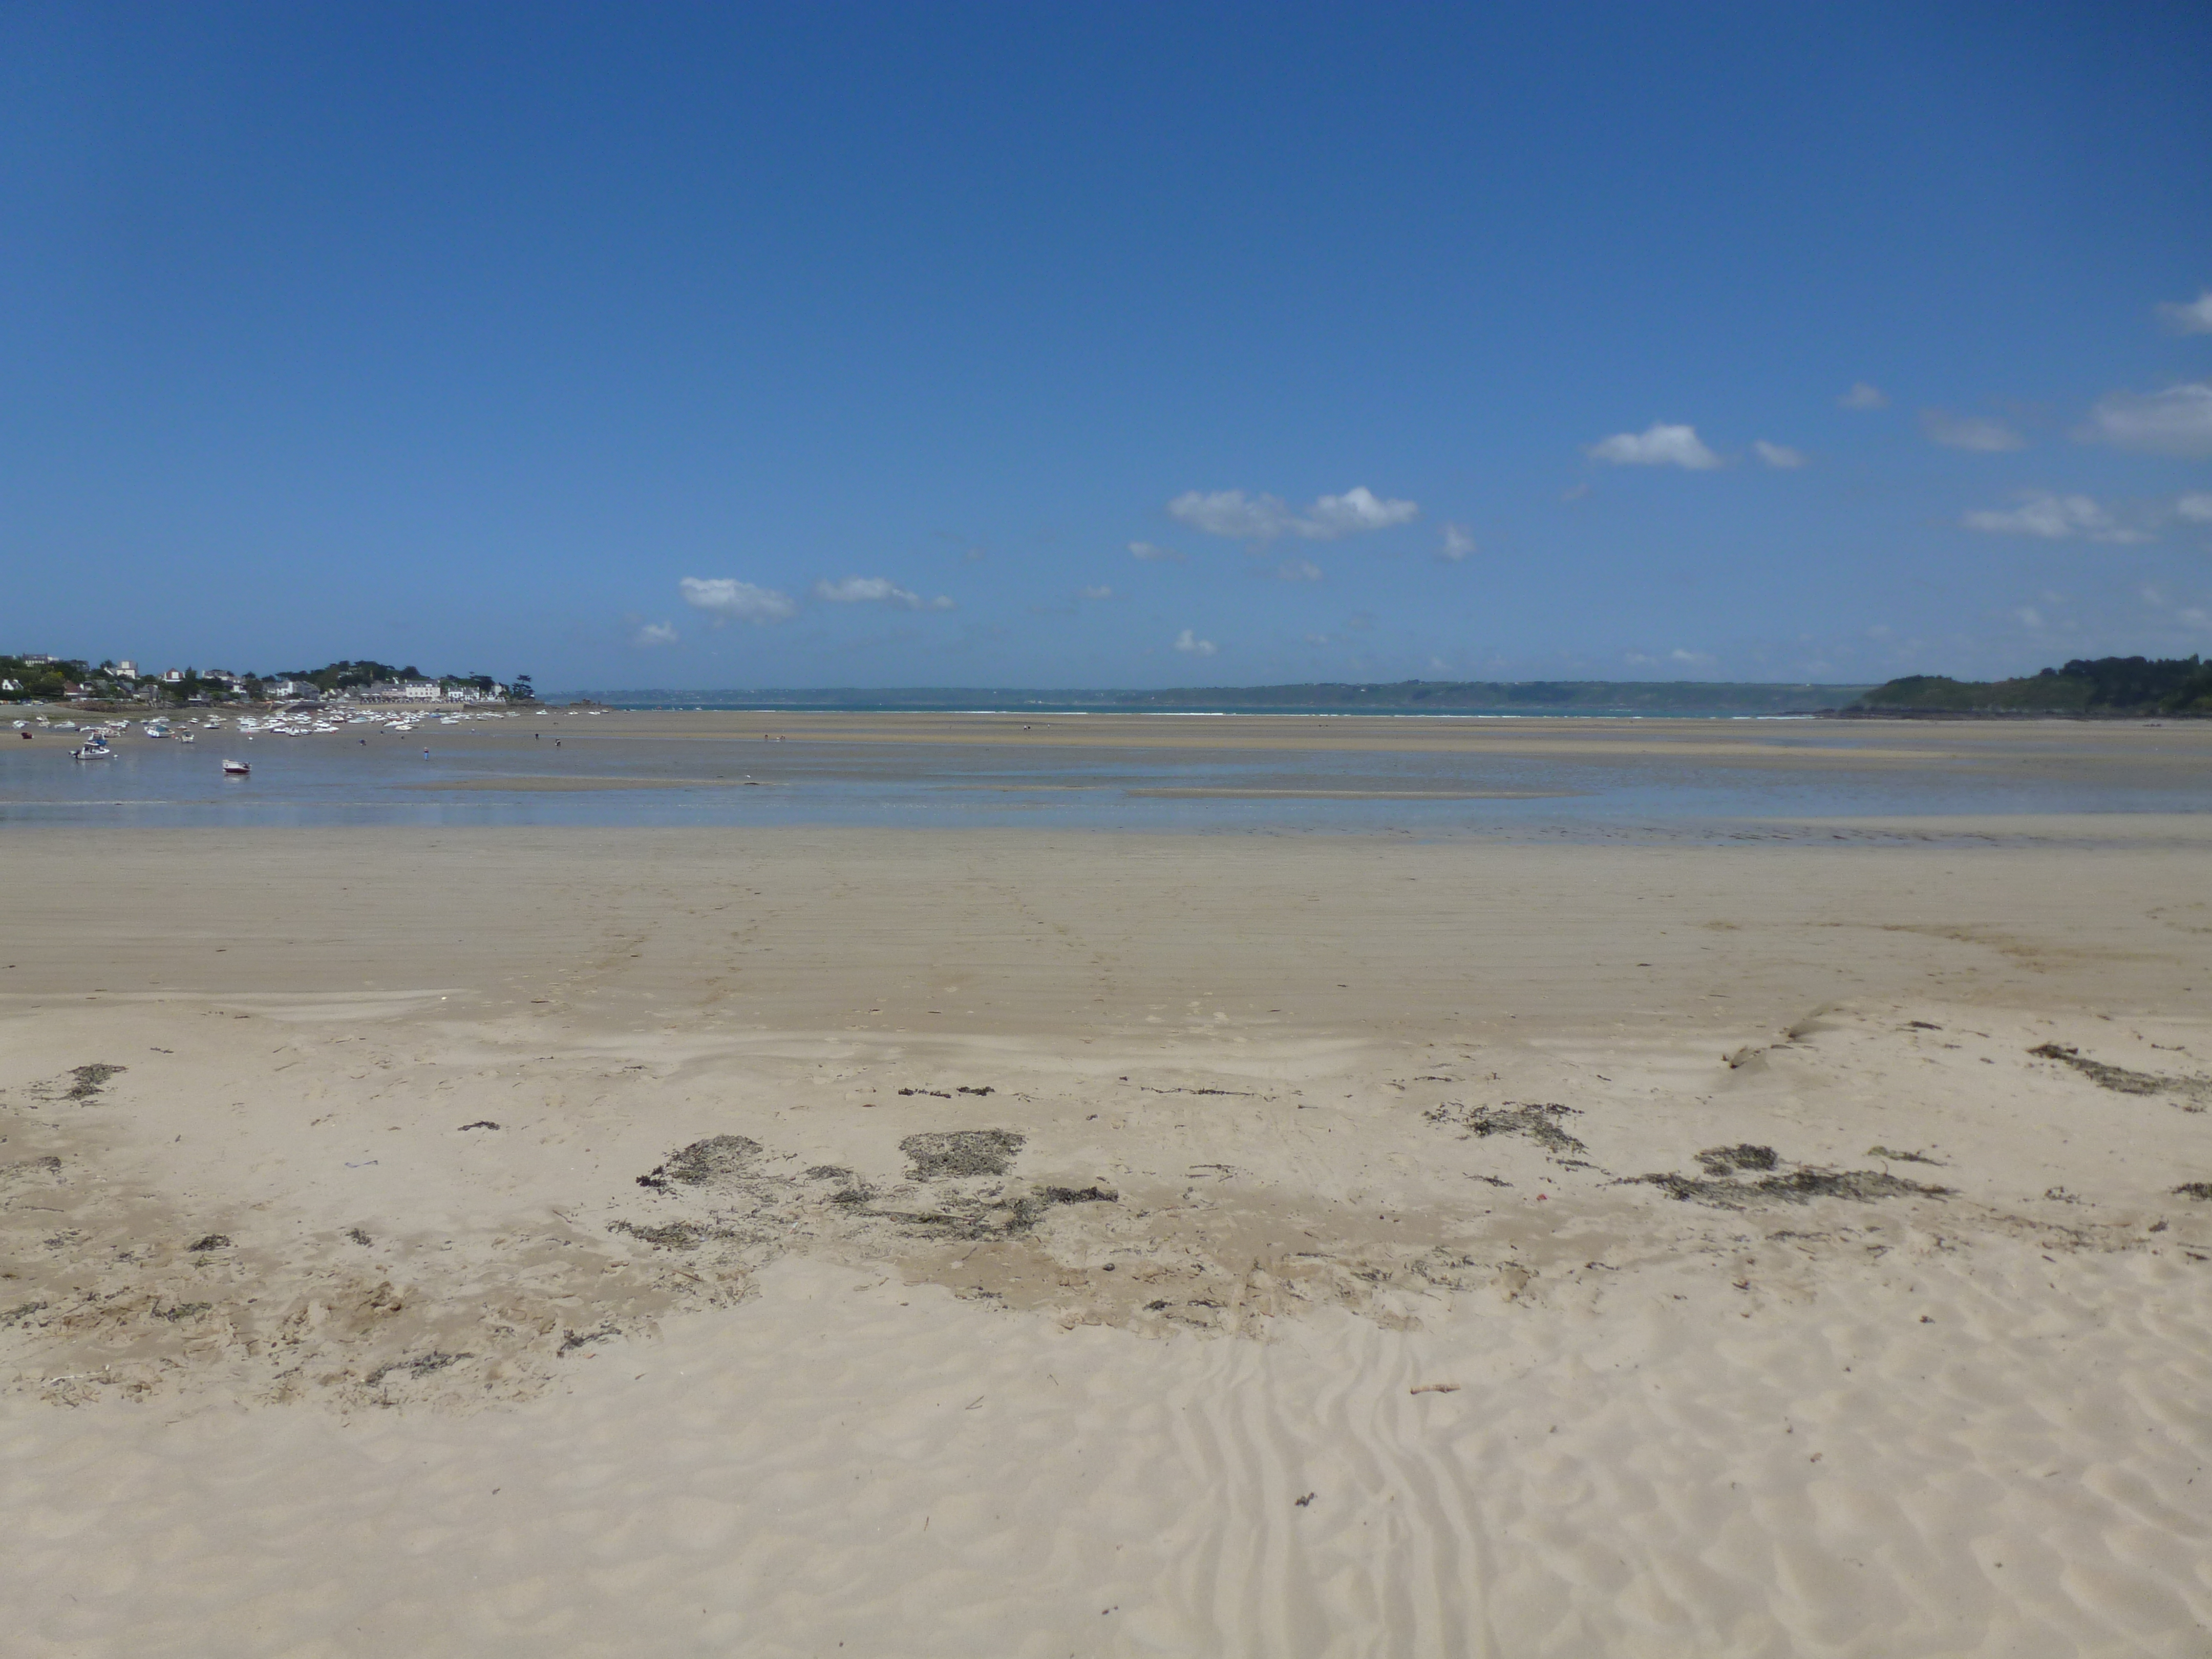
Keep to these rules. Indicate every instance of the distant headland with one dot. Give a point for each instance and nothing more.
(1366, 696)
(2102, 687)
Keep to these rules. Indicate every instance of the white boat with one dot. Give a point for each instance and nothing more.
(184, 737)
(94, 750)
(235, 768)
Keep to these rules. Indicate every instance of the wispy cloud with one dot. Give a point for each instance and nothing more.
(877, 590)
(1777, 455)
(659, 633)
(2195, 506)
(1354, 512)
(2054, 518)
(727, 600)
(1458, 543)
(2175, 421)
(1191, 644)
(1678, 658)
(1975, 432)
(1244, 518)
(1863, 396)
(2194, 317)
(1297, 570)
(1657, 445)
(1149, 554)
(1101, 592)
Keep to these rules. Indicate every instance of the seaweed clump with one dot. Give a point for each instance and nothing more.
(79, 1083)
(1540, 1122)
(1797, 1186)
(2121, 1080)
(962, 1152)
(717, 1159)
(1727, 1160)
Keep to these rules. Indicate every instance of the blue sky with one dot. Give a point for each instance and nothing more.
(1128, 345)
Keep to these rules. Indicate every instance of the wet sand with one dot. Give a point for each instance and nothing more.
(651, 1242)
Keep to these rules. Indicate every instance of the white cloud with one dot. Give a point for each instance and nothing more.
(2054, 518)
(1777, 455)
(2195, 506)
(1974, 431)
(1101, 592)
(1657, 445)
(1233, 513)
(659, 633)
(1190, 643)
(1147, 552)
(1316, 639)
(877, 590)
(1354, 512)
(727, 600)
(2175, 421)
(2194, 617)
(1678, 658)
(1297, 570)
(1458, 543)
(2029, 617)
(2194, 318)
(1863, 396)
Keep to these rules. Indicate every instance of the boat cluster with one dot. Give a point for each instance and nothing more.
(95, 735)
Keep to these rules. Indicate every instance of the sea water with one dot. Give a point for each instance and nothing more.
(494, 772)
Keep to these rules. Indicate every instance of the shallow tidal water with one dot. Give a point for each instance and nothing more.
(611, 772)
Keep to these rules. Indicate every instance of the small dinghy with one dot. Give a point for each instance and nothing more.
(235, 768)
(94, 750)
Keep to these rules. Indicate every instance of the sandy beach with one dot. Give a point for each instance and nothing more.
(803, 1240)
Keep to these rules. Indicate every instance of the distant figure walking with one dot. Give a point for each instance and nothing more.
(426, 754)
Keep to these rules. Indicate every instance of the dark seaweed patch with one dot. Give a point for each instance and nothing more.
(718, 1157)
(962, 1152)
(1540, 1122)
(2121, 1080)
(1728, 1160)
(1798, 1186)
(419, 1365)
(1902, 1158)
(671, 1235)
(79, 1083)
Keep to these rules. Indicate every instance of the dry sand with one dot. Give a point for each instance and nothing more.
(652, 1243)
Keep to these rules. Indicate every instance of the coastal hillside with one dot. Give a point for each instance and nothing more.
(2104, 686)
